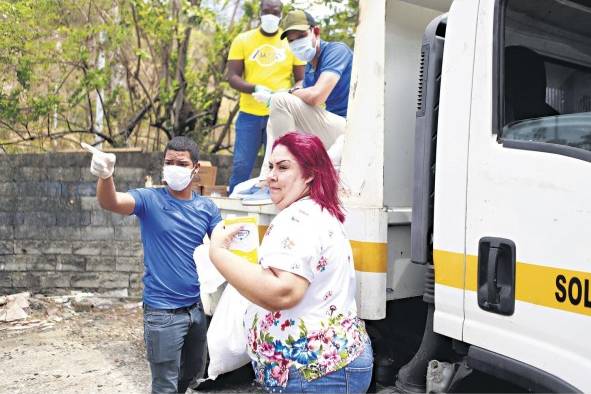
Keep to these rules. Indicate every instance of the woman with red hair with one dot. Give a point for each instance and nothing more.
(303, 331)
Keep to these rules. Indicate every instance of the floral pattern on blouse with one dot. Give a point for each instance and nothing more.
(287, 243)
(321, 333)
(321, 266)
(314, 353)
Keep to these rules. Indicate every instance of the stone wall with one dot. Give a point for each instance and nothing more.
(54, 237)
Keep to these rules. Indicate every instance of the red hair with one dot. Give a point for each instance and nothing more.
(311, 155)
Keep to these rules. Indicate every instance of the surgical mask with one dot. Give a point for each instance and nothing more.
(176, 177)
(270, 23)
(302, 48)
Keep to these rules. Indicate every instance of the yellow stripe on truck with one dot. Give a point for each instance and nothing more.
(554, 287)
(449, 268)
(262, 232)
(535, 284)
(368, 256)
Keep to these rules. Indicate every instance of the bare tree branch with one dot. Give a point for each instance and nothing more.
(226, 128)
(54, 136)
(135, 119)
(136, 73)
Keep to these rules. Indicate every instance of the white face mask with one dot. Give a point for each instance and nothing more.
(303, 49)
(176, 177)
(270, 23)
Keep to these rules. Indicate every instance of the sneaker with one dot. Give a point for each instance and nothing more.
(250, 190)
(249, 186)
(261, 197)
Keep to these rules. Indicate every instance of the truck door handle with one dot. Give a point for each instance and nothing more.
(496, 275)
(491, 276)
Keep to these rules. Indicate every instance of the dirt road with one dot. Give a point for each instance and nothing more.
(98, 351)
(95, 351)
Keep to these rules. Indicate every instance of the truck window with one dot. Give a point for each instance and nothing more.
(546, 72)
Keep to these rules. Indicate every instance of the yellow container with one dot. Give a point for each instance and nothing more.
(246, 242)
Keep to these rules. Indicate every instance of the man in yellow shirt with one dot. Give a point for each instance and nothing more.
(259, 64)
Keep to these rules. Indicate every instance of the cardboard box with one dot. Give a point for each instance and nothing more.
(214, 191)
(206, 175)
(197, 188)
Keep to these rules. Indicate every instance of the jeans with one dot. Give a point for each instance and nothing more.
(251, 133)
(176, 346)
(353, 378)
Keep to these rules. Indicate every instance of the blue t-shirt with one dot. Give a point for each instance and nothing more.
(334, 57)
(171, 230)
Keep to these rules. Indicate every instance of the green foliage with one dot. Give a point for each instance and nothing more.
(50, 79)
(9, 106)
(341, 24)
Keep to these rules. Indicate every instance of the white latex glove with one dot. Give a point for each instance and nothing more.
(103, 164)
(262, 94)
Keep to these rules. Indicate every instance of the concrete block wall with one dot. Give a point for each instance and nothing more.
(54, 237)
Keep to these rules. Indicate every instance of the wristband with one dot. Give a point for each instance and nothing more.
(290, 91)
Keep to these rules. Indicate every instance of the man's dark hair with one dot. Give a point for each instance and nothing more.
(183, 144)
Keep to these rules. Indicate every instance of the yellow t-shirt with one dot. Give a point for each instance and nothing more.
(268, 61)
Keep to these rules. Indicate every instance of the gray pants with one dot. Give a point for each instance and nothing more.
(290, 113)
(176, 346)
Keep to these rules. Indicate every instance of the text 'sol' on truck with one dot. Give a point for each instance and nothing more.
(469, 208)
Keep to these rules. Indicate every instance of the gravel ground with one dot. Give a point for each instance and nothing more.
(96, 351)
(69, 348)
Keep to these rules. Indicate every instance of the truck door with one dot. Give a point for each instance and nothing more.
(528, 203)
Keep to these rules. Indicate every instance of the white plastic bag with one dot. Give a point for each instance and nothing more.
(226, 338)
(209, 277)
(210, 280)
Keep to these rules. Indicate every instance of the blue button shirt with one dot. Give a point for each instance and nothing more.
(171, 229)
(337, 58)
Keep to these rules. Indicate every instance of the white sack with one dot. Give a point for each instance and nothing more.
(209, 277)
(226, 337)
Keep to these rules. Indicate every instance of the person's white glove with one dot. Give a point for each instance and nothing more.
(262, 94)
(103, 164)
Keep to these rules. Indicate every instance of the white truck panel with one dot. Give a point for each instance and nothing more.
(449, 314)
(452, 149)
(525, 335)
(541, 202)
(362, 165)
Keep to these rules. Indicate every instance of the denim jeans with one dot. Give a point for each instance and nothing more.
(354, 378)
(176, 347)
(251, 133)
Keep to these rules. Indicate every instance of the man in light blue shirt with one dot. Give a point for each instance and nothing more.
(173, 222)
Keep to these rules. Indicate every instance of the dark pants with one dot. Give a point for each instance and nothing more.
(251, 133)
(176, 346)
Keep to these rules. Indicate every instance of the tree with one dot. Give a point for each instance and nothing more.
(341, 23)
(51, 79)
(163, 73)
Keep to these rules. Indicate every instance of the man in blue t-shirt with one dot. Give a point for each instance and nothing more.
(318, 105)
(173, 222)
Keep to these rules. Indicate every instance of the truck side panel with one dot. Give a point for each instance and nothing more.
(539, 204)
(451, 168)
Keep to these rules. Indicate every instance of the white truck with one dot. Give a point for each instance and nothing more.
(469, 207)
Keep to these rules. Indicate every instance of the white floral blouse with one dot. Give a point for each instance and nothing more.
(322, 333)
